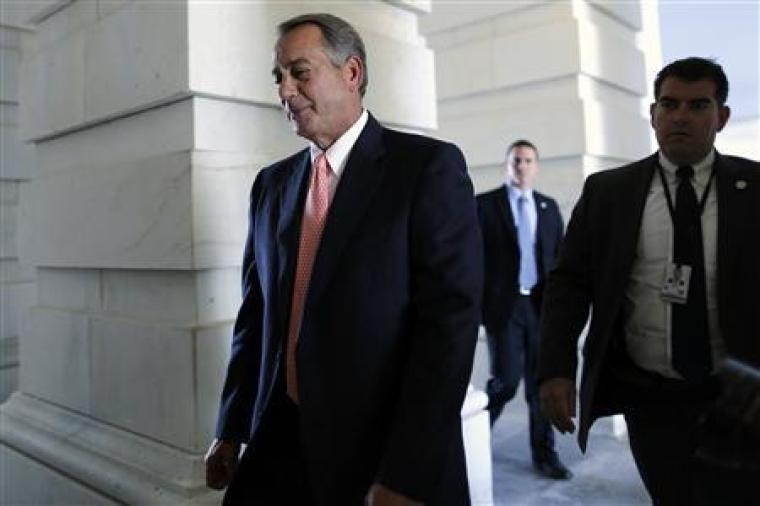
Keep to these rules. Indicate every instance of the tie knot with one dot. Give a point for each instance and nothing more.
(685, 172)
(322, 165)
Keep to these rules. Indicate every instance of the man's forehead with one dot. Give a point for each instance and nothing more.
(675, 88)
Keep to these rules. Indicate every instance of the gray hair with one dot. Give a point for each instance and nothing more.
(341, 39)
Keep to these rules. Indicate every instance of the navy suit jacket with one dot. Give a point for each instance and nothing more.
(389, 323)
(595, 264)
(502, 252)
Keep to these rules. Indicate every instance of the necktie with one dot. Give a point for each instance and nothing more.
(689, 331)
(312, 224)
(528, 275)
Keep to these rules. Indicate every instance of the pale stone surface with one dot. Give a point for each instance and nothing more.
(159, 297)
(133, 214)
(16, 157)
(476, 431)
(75, 290)
(212, 351)
(142, 379)
(21, 478)
(15, 301)
(218, 294)
(629, 13)
(55, 358)
(120, 464)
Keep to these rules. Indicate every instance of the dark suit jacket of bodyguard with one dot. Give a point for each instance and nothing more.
(389, 321)
(595, 264)
(502, 252)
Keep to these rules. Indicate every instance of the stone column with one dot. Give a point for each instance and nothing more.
(17, 278)
(150, 121)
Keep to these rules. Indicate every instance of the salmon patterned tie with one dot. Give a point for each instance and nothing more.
(312, 224)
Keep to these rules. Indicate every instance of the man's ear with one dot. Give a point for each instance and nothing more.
(724, 112)
(353, 72)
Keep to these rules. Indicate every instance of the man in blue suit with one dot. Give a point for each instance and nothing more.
(522, 230)
(362, 278)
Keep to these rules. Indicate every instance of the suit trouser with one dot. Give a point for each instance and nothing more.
(513, 353)
(272, 470)
(664, 433)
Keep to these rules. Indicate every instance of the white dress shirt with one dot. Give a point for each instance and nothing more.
(647, 323)
(337, 153)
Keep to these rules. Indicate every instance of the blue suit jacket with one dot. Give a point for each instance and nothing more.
(502, 252)
(389, 323)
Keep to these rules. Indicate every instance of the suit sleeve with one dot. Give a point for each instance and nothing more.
(567, 297)
(447, 272)
(239, 392)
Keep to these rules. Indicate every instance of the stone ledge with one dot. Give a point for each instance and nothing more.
(116, 463)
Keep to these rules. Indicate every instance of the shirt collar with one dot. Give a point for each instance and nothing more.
(514, 192)
(701, 168)
(337, 153)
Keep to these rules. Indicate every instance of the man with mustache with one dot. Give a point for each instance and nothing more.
(362, 277)
(664, 253)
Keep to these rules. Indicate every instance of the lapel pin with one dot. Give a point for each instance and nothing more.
(741, 184)
(543, 205)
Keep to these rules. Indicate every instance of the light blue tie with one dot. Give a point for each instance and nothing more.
(528, 274)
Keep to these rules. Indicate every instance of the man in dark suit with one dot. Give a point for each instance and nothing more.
(362, 278)
(685, 213)
(522, 230)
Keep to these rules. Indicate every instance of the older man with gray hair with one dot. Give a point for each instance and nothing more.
(362, 277)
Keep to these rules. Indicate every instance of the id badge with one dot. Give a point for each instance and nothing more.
(675, 288)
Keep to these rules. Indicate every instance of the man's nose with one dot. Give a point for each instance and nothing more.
(286, 88)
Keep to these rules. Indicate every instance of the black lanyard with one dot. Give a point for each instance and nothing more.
(669, 199)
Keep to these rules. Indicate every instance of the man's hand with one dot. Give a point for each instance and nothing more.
(221, 461)
(380, 495)
(558, 402)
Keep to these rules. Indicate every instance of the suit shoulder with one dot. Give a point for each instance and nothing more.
(620, 175)
(490, 195)
(416, 143)
(742, 163)
(282, 168)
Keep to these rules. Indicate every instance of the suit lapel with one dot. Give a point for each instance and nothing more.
(505, 211)
(292, 198)
(360, 180)
(630, 208)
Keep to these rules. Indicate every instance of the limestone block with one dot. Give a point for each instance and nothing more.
(9, 79)
(55, 358)
(556, 127)
(230, 50)
(628, 13)
(16, 157)
(13, 271)
(486, 63)
(124, 215)
(157, 131)
(72, 18)
(212, 352)
(221, 195)
(615, 131)
(218, 294)
(93, 70)
(487, 177)
(70, 289)
(8, 379)
(161, 297)
(8, 356)
(452, 15)
(260, 132)
(52, 88)
(106, 7)
(143, 380)
(395, 97)
(135, 56)
(9, 192)
(25, 481)
(8, 231)
(608, 56)
(15, 301)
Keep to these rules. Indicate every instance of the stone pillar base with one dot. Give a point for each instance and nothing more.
(54, 455)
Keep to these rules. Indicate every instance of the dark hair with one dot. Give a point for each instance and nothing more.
(341, 39)
(695, 69)
(521, 143)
